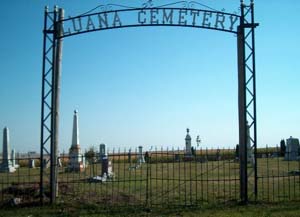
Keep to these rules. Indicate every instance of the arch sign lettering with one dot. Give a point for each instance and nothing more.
(183, 17)
(179, 14)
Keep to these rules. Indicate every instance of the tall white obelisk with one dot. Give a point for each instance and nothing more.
(76, 161)
(6, 165)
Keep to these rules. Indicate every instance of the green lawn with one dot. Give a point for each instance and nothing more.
(290, 209)
(166, 182)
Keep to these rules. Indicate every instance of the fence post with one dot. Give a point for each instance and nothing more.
(148, 160)
(148, 187)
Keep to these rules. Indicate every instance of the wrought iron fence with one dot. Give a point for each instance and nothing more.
(22, 185)
(156, 178)
(278, 175)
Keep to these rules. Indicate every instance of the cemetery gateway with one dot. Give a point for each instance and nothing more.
(180, 14)
(150, 177)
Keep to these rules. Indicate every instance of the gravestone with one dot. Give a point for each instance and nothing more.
(110, 170)
(31, 163)
(292, 149)
(218, 155)
(177, 157)
(13, 159)
(188, 144)
(46, 163)
(129, 156)
(59, 162)
(83, 160)
(6, 165)
(140, 156)
(237, 151)
(76, 158)
(106, 170)
(102, 152)
(147, 157)
(188, 155)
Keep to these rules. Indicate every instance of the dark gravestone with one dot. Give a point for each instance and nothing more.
(147, 157)
(129, 156)
(107, 169)
(177, 157)
(104, 169)
(102, 152)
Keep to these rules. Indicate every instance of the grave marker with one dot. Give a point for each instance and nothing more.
(292, 149)
(6, 165)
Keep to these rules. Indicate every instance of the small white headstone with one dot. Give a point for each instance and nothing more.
(110, 169)
(31, 163)
(59, 162)
(140, 158)
(13, 159)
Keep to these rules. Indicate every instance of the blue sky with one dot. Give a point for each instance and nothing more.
(145, 86)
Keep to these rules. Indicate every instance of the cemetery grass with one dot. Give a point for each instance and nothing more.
(213, 182)
(291, 209)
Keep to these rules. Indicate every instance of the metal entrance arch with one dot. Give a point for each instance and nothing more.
(179, 14)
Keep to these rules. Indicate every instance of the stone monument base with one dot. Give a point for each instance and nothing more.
(75, 167)
(188, 157)
(7, 169)
(291, 157)
(16, 166)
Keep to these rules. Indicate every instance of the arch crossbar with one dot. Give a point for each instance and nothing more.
(56, 27)
(141, 17)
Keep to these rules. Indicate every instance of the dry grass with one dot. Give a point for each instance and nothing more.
(167, 182)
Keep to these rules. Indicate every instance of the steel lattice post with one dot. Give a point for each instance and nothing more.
(47, 97)
(247, 102)
(50, 100)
